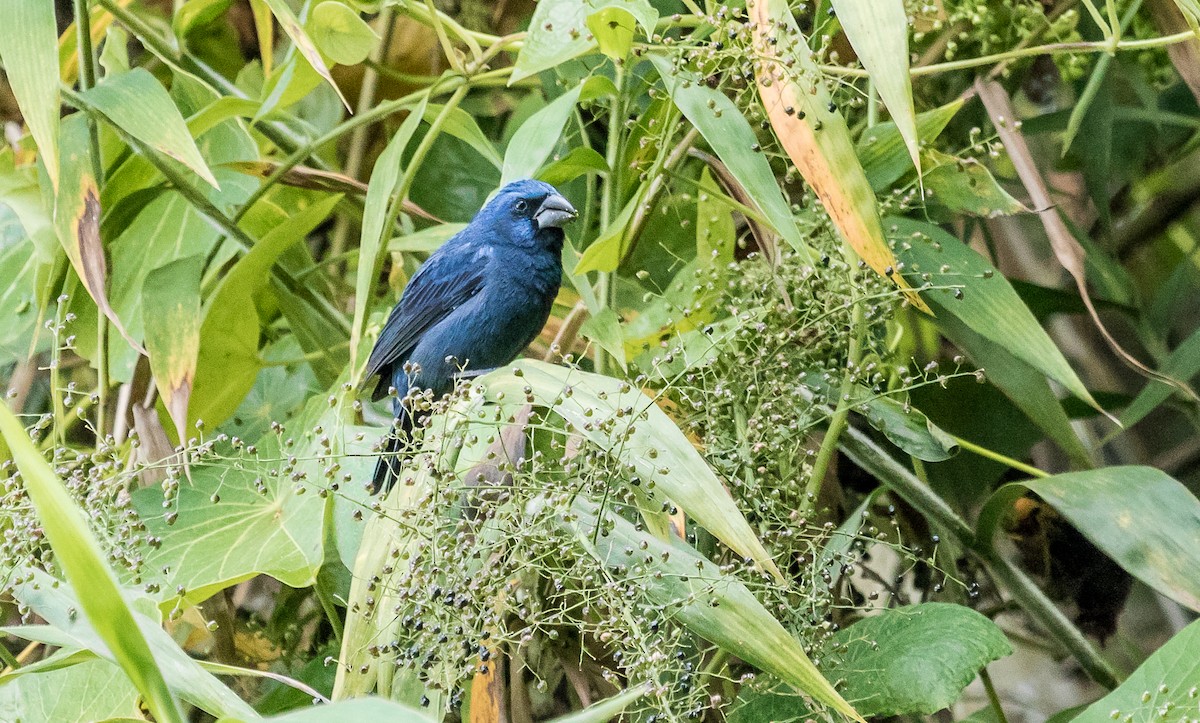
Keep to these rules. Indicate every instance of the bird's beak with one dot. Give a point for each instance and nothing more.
(555, 212)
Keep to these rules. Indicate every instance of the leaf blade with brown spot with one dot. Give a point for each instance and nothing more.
(171, 308)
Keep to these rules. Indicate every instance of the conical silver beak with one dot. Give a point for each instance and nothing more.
(555, 212)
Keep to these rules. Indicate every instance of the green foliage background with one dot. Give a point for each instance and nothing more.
(872, 364)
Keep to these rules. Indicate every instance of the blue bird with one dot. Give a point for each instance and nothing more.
(474, 305)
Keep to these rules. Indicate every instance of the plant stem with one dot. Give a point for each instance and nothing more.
(993, 699)
(87, 80)
(610, 194)
(358, 139)
(1002, 459)
(841, 414)
(1102, 46)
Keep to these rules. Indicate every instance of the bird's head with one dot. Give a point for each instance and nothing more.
(528, 211)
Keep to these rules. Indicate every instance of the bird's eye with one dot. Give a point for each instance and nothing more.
(522, 206)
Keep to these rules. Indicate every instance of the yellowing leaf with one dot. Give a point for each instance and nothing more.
(816, 138)
(171, 310)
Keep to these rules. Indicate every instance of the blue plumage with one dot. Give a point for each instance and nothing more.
(474, 305)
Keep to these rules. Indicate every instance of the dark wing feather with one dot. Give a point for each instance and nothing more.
(445, 282)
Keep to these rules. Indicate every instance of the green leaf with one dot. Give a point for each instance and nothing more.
(882, 150)
(1164, 687)
(384, 183)
(914, 659)
(340, 33)
(730, 135)
(613, 28)
(716, 234)
(78, 553)
(989, 305)
(29, 50)
(656, 447)
(427, 240)
(462, 126)
(57, 604)
(1024, 385)
(964, 185)
(171, 308)
(878, 32)
(608, 250)
(1182, 363)
(559, 31)
(537, 137)
(355, 710)
(605, 329)
(605, 710)
(715, 606)
(1153, 534)
(204, 534)
(197, 14)
(906, 427)
(579, 161)
(136, 103)
(903, 661)
(91, 690)
(303, 43)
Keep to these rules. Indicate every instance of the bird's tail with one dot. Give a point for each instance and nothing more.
(387, 467)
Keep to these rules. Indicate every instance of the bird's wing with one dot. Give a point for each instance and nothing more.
(445, 282)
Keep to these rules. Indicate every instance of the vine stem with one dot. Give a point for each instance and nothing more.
(993, 698)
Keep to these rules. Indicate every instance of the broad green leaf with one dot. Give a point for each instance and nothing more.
(716, 234)
(902, 661)
(605, 329)
(715, 606)
(340, 33)
(57, 604)
(1139, 516)
(1023, 384)
(882, 150)
(878, 32)
(579, 161)
(197, 14)
(914, 659)
(461, 125)
(29, 50)
(988, 305)
(303, 43)
(906, 427)
(730, 135)
(535, 140)
(385, 179)
(613, 28)
(171, 308)
(114, 58)
(609, 249)
(656, 447)
(92, 690)
(78, 553)
(967, 186)
(1166, 686)
(605, 710)
(136, 103)
(559, 31)
(206, 532)
(816, 139)
(427, 240)
(355, 710)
